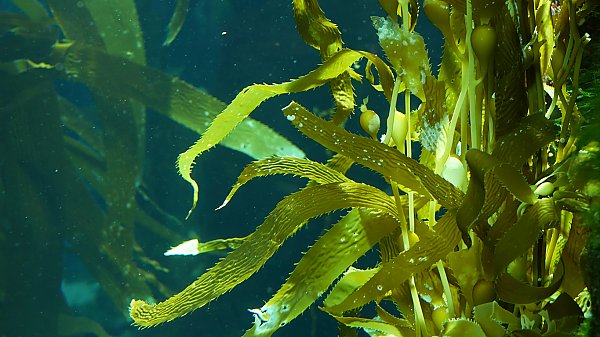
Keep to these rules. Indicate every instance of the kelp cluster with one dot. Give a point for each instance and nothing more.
(71, 177)
(482, 231)
(480, 228)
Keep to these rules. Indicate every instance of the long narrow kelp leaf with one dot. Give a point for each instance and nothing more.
(379, 157)
(333, 253)
(433, 246)
(251, 97)
(318, 32)
(177, 21)
(178, 100)
(287, 217)
(305, 168)
(520, 237)
(490, 183)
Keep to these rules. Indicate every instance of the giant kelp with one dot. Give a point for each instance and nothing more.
(483, 231)
(482, 234)
(75, 184)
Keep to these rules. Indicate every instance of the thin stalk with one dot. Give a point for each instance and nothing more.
(474, 113)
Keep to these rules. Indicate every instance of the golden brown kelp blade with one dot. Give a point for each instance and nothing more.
(320, 33)
(251, 97)
(493, 175)
(523, 234)
(316, 172)
(349, 239)
(381, 158)
(511, 290)
(288, 216)
(511, 94)
(433, 245)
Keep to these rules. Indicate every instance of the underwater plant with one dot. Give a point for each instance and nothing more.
(482, 232)
(73, 185)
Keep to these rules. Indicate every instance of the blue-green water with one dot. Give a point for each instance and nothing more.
(46, 278)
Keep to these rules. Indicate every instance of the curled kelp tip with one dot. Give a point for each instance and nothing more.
(185, 163)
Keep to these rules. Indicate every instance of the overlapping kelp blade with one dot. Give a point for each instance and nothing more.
(191, 107)
(316, 172)
(381, 158)
(287, 217)
(251, 97)
(320, 33)
(113, 26)
(333, 253)
(523, 234)
(177, 21)
(352, 279)
(509, 71)
(491, 317)
(33, 8)
(433, 245)
(462, 327)
(376, 327)
(492, 176)
(511, 290)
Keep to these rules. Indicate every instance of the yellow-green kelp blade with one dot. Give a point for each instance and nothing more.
(177, 20)
(251, 97)
(287, 217)
(511, 290)
(305, 168)
(189, 106)
(333, 253)
(379, 157)
(433, 245)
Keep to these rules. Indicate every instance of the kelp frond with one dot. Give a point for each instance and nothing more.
(491, 261)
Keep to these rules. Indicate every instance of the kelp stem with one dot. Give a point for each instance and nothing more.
(440, 266)
(474, 113)
(392, 111)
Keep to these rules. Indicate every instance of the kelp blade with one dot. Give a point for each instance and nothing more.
(433, 245)
(177, 21)
(316, 172)
(381, 158)
(185, 104)
(251, 97)
(287, 217)
(333, 253)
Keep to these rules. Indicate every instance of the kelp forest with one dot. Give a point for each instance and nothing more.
(434, 166)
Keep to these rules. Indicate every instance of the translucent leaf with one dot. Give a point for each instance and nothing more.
(333, 253)
(491, 316)
(353, 279)
(381, 158)
(320, 33)
(432, 246)
(545, 29)
(287, 217)
(305, 168)
(251, 97)
(183, 103)
(374, 327)
(462, 327)
(177, 21)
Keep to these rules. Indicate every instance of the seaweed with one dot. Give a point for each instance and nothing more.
(482, 232)
(516, 222)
